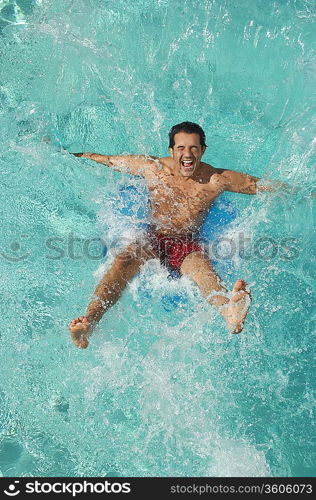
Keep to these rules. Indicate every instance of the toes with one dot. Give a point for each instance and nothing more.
(78, 321)
(74, 323)
(238, 328)
(239, 285)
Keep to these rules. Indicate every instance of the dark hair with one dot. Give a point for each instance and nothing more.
(188, 128)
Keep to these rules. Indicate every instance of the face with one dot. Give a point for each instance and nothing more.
(187, 153)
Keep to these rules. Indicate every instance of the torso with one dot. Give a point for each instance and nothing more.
(179, 206)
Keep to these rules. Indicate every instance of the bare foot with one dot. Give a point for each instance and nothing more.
(236, 310)
(80, 331)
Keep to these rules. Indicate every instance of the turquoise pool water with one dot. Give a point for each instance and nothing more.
(163, 389)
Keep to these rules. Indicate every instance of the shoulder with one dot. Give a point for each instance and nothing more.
(214, 176)
(166, 162)
(236, 182)
(211, 170)
(155, 166)
(162, 165)
(223, 176)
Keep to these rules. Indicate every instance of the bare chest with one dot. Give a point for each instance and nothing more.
(167, 194)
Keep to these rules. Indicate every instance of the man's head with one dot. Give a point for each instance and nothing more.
(187, 146)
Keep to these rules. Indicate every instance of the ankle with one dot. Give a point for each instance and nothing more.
(96, 310)
(93, 317)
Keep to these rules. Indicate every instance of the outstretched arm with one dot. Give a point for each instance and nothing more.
(238, 182)
(131, 164)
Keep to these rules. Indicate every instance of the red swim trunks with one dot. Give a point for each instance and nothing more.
(172, 250)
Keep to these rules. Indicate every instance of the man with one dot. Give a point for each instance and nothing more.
(182, 189)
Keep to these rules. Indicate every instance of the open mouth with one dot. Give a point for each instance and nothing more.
(187, 164)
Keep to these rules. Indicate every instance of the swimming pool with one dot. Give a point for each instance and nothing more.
(163, 389)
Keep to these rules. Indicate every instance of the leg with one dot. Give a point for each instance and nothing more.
(198, 267)
(108, 291)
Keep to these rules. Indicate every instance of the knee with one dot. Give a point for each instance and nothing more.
(124, 264)
(132, 255)
(191, 267)
(127, 262)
